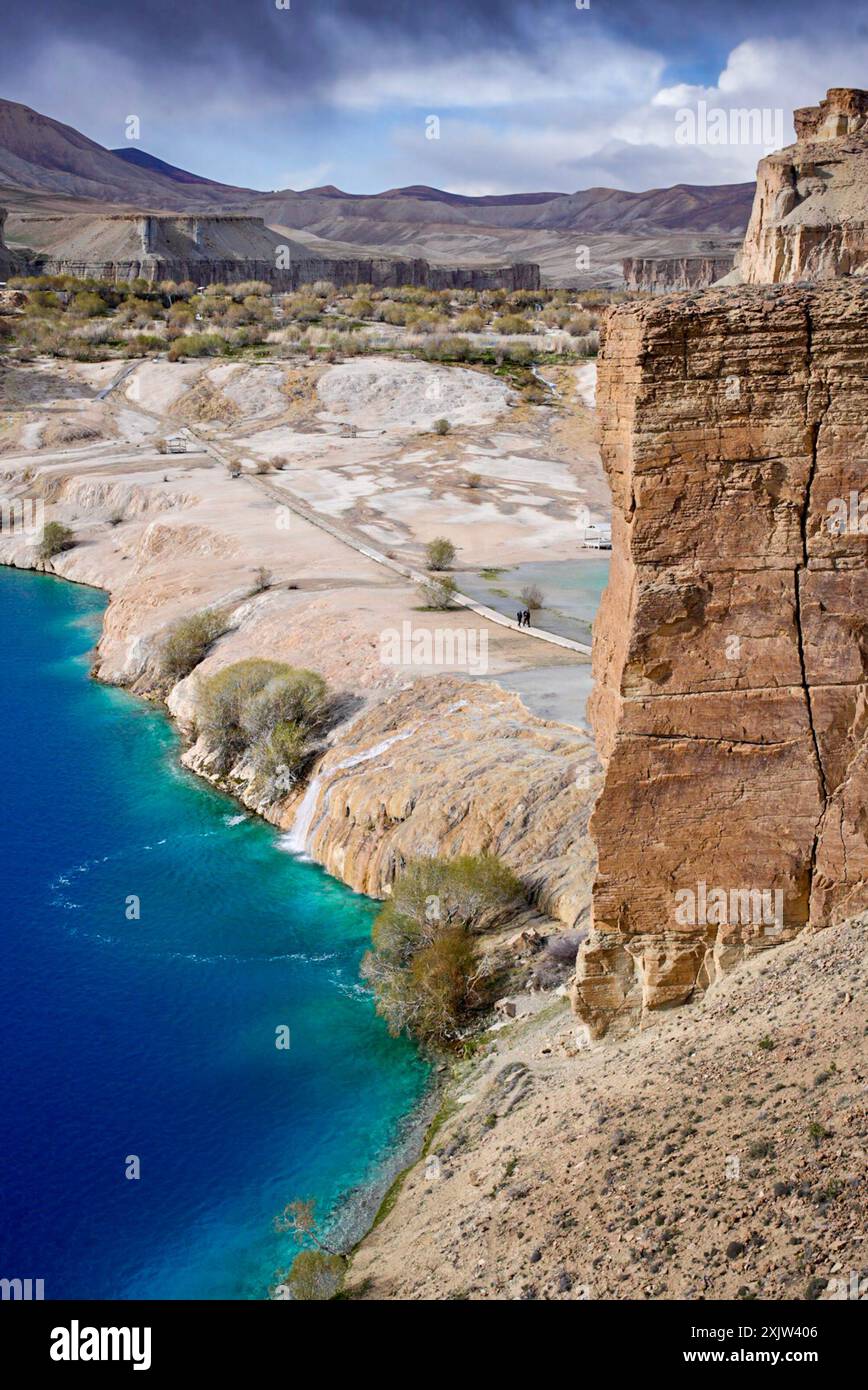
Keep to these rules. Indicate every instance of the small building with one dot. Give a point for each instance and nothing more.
(598, 536)
(175, 444)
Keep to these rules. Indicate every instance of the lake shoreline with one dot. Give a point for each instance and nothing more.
(355, 1209)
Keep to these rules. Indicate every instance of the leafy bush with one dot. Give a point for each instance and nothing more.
(439, 553)
(289, 696)
(439, 592)
(266, 709)
(89, 305)
(196, 345)
(187, 642)
(442, 426)
(55, 538)
(424, 965)
(471, 322)
(280, 755)
(512, 323)
(315, 1277)
(451, 349)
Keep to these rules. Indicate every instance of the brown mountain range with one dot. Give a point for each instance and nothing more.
(42, 157)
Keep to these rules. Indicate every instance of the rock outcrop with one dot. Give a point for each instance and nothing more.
(665, 274)
(446, 766)
(810, 213)
(11, 262)
(731, 648)
(228, 248)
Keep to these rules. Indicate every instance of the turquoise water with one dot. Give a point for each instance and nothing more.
(155, 1037)
(571, 591)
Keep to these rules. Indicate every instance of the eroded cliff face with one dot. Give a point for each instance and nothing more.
(664, 274)
(810, 213)
(11, 262)
(731, 648)
(229, 248)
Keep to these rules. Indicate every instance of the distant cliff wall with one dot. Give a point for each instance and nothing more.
(11, 262)
(731, 647)
(665, 274)
(230, 248)
(382, 273)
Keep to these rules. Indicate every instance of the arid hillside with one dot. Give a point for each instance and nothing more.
(42, 158)
(718, 1155)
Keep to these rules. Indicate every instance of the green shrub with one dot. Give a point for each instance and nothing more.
(89, 305)
(512, 323)
(288, 696)
(264, 708)
(438, 592)
(187, 642)
(196, 345)
(452, 349)
(442, 426)
(424, 965)
(280, 755)
(439, 553)
(55, 538)
(315, 1277)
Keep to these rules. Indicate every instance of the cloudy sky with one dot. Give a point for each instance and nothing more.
(528, 94)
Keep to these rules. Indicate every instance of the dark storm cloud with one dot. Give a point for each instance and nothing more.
(309, 42)
(336, 90)
(316, 39)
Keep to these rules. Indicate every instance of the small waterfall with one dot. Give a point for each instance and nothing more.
(295, 840)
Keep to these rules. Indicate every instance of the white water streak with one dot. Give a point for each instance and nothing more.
(295, 840)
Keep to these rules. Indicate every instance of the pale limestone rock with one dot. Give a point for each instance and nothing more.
(810, 213)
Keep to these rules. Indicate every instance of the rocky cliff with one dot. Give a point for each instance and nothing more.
(731, 649)
(228, 248)
(810, 212)
(11, 262)
(665, 274)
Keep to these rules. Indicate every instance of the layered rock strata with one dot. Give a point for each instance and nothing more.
(11, 262)
(230, 248)
(810, 212)
(665, 274)
(731, 648)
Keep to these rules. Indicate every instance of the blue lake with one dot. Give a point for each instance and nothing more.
(155, 1037)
